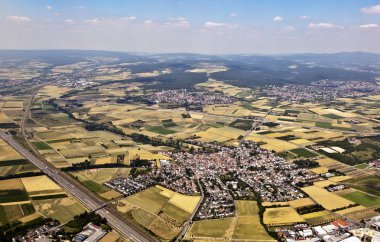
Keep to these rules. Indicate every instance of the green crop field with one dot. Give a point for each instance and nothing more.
(176, 212)
(332, 116)
(95, 187)
(248, 226)
(27, 208)
(323, 125)
(242, 124)
(3, 216)
(304, 153)
(143, 217)
(13, 162)
(161, 130)
(40, 145)
(362, 198)
(7, 196)
(150, 200)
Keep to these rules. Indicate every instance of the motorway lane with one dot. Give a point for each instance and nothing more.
(125, 228)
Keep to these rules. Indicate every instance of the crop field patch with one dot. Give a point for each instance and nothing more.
(248, 226)
(304, 153)
(143, 217)
(187, 203)
(175, 212)
(62, 209)
(38, 184)
(150, 200)
(161, 130)
(326, 199)
(362, 198)
(95, 187)
(281, 215)
(214, 228)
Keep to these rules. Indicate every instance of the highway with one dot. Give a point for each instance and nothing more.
(121, 225)
(126, 228)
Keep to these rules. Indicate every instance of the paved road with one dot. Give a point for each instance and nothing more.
(187, 224)
(77, 190)
(124, 227)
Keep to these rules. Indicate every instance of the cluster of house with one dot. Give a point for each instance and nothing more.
(218, 202)
(323, 90)
(130, 185)
(269, 176)
(187, 97)
(41, 233)
(90, 233)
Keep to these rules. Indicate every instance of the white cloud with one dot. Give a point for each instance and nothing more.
(277, 19)
(233, 14)
(210, 24)
(148, 21)
(93, 21)
(57, 14)
(128, 18)
(178, 22)
(18, 19)
(289, 29)
(69, 21)
(80, 7)
(323, 26)
(305, 17)
(49, 7)
(368, 26)
(371, 9)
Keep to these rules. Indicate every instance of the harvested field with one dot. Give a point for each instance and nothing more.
(214, 228)
(38, 184)
(281, 216)
(62, 209)
(248, 226)
(327, 199)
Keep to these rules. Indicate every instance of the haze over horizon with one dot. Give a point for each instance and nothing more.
(192, 26)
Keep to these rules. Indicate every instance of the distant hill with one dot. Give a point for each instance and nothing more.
(243, 70)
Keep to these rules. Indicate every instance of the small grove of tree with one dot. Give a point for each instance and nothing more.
(306, 163)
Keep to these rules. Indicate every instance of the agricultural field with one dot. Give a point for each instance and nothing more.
(215, 228)
(248, 226)
(94, 180)
(29, 198)
(362, 198)
(11, 162)
(159, 210)
(281, 216)
(328, 200)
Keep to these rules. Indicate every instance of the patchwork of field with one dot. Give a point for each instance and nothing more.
(11, 162)
(94, 179)
(27, 199)
(159, 210)
(328, 200)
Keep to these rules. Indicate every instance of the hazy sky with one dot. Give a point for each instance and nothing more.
(201, 26)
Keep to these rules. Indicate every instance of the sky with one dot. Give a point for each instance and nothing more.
(192, 26)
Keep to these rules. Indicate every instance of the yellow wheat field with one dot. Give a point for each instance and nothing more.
(327, 199)
(39, 183)
(281, 215)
